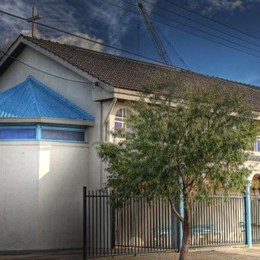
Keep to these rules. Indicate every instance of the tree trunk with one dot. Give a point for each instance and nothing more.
(186, 232)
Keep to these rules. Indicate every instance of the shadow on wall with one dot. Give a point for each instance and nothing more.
(62, 173)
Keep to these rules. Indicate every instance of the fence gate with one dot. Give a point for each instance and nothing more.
(137, 227)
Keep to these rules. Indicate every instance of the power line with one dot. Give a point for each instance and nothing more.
(138, 38)
(174, 49)
(202, 24)
(81, 37)
(136, 13)
(155, 37)
(208, 33)
(200, 30)
(189, 32)
(212, 20)
(183, 30)
(120, 49)
(42, 71)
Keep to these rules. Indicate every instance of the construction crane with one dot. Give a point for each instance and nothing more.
(155, 37)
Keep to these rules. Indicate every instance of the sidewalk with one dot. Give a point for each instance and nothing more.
(50, 255)
(214, 254)
(204, 254)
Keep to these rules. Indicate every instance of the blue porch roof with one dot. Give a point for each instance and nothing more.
(33, 99)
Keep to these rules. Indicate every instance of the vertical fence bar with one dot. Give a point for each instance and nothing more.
(166, 226)
(223, 211)
(253, 217)
(84, 222)
(218, 220)
(248, 216)
(144, 225)
(91, 199)
(151, 234)
(93, 223)
(96, 222)
(108, 227)
(231, 214)
(128, 229)
(161, 228)
(171, 220)
(139, 239)
(100, 222)
(103, 244)
(113, 226)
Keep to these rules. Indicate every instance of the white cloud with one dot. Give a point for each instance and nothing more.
(115, 21)
(211, 6)
(251, 77)
(26, 32)
(10, 27)
(72, 40)
(57, 14)
(95, 19)
(227, 5)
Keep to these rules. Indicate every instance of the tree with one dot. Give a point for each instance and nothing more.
(186, 142)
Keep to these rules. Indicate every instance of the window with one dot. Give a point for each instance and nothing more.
(120, 117)
(43, 132)
(257, 146)
(77, 135)
(7, 133)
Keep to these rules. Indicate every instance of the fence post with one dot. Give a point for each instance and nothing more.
(181, 211)
(84, 222)
(248, 215)
(113, 227)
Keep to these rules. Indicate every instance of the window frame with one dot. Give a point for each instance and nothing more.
(40, 127)
(125, 112)
(113, 128)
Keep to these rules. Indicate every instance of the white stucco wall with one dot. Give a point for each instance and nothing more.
(41, 195)
(19, 196)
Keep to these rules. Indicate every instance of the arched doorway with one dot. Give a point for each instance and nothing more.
(255, 184)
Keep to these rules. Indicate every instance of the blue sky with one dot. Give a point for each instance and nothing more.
(115, 22)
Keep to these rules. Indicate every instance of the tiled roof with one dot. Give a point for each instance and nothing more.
(32, 99)
(131, 74)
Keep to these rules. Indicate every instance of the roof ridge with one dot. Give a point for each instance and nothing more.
(106, 54)
(254, 87)
(61, 98)
(30, 80)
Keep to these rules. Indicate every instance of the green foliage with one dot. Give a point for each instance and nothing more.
(195, 134)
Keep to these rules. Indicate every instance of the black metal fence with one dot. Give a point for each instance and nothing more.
(135, 228)
(218, 222)
(140, 227)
